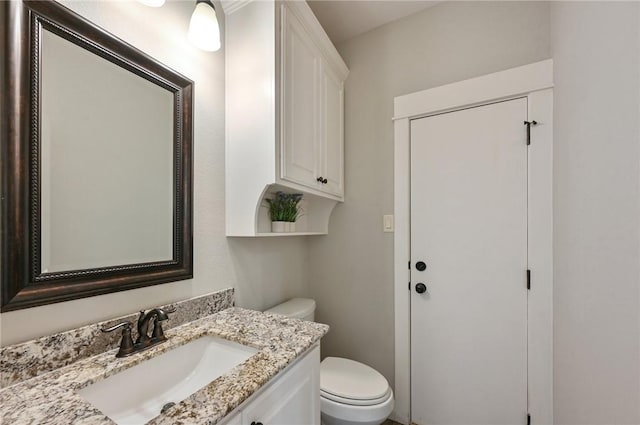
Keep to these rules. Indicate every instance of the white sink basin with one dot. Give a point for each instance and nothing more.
(136, 395)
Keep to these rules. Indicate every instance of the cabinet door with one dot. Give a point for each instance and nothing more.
(332, 132)
(293, 399)
(300, 100)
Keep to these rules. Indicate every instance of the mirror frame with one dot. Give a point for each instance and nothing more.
(23, 284)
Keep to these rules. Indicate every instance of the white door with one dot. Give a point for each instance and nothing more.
(469, 227)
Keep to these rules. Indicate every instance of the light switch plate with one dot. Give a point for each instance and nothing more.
(387, 223)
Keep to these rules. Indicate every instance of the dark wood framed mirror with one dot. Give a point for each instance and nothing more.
(96, 160)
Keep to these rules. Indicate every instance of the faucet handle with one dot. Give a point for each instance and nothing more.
(158, 333)
(119, 325)
(126, 343)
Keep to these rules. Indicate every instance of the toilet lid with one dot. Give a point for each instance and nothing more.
(354, 402)
(351, 380)
(298, 308)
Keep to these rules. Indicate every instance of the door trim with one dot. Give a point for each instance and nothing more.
(535, 82)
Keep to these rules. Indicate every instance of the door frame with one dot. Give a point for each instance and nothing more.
(535, 82)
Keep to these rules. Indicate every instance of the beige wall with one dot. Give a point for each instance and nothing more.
(596, 51)
(263, 272)
(352, 268)
(596, 192)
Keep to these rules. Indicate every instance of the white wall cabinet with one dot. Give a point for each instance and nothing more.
(312, 111)
(284, 115)
(291, 398)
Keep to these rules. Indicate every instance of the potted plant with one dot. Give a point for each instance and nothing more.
(284, 209)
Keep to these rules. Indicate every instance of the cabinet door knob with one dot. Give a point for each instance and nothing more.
(421, 288)
(256, 423)
(319, 179)
(325, 181)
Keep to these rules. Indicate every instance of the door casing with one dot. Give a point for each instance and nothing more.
(534, 81)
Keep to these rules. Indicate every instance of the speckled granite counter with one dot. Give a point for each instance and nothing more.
(41, 355)
(51, 398)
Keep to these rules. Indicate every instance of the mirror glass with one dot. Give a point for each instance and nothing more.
(107, 162)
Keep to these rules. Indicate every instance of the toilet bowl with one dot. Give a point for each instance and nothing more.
(351, 393)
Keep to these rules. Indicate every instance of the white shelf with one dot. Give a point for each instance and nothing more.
(314, 218)
(267, 235)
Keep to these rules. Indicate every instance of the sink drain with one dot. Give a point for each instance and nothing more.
(167, 407)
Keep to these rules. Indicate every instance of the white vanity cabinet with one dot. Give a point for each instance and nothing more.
(284, 115)
(291, 398)
(235, 419)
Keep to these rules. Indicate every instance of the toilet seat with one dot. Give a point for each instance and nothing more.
(355, 402)
(349, 382)
(334, 413)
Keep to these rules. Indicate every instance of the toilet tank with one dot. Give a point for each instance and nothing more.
(298, 308)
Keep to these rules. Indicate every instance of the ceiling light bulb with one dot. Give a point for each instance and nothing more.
(152, 3)
(204, 31)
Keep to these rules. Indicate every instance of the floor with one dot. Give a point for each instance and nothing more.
(390, 422)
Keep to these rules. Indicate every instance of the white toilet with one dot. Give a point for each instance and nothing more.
(351, 393)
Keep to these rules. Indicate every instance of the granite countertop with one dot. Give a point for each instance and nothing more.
(51, 398)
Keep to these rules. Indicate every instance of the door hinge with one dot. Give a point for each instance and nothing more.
(409, 265)
(528, 419)
(409, 285)
(528, 279)
(529, 124)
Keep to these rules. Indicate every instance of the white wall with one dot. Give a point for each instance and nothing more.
(263, 272)
(596, 51)
(352, 268)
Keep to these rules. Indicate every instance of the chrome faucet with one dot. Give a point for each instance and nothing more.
(127, 347)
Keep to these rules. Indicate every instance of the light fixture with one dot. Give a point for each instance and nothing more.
(152, 3)
(204, 31)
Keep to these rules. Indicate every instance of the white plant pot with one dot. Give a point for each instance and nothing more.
(279, 226)
(283, 227)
